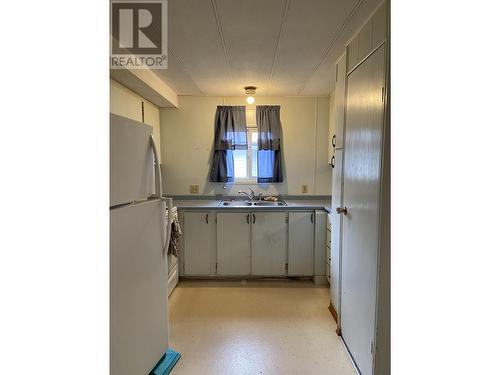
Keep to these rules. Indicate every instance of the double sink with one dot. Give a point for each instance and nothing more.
(236, 203)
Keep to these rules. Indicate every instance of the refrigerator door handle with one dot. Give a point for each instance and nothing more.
(158, 176)
(168, 231)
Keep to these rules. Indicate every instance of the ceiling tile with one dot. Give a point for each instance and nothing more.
(303, 62)
(194, 38)
(309, 29)
(177, 77)
(251, 30)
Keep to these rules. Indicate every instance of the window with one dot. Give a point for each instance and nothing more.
(245, 161)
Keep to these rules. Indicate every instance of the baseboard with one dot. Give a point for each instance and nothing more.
(336, 318)
(334, 313)
(320, 280)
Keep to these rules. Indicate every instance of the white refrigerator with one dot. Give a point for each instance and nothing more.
(139, 238)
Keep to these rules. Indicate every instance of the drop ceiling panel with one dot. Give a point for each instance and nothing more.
(309, 29)
(251, 30)
(321, 82)
(193, 37)
(177, 77)
(219, 46)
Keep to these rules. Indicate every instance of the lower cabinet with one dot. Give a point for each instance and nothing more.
(301, 244)
(233, 243)
(199, 239)
(268, 243)
(258, 243)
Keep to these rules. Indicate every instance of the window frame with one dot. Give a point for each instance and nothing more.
(248, 179)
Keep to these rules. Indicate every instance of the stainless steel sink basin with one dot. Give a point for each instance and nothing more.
(235, 204)
(251, 203)
(268, 203)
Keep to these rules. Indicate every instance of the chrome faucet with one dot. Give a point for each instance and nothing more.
(250, 195)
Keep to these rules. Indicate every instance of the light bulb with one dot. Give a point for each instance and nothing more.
(250, 99)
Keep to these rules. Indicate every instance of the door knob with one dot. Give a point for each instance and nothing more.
(342, 210)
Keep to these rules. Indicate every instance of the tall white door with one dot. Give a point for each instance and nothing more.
(233, 243)
(268, 243)
(301, 244)
(362, 174)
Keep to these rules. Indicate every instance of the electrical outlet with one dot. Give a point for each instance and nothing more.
(304, 189)
(194, 189)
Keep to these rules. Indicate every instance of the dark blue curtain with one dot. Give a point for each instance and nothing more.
(230, 134)
(269, 167)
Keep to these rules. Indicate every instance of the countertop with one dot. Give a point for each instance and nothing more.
(212, 203)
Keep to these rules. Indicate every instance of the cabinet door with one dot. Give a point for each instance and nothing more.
(331, 125)
(336, 231)
(338, 106)
(233, 243)
(198, 234)
(320, 236)
(300, 243)
(268, 243)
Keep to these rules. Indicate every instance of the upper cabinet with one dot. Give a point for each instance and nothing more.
(379, 31)
(331, 127)
(372, 34)
(337, 140)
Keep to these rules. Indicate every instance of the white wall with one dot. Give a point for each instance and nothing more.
(126, 103)
(187, 138)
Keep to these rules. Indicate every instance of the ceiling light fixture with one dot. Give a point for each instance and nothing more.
(250, 91)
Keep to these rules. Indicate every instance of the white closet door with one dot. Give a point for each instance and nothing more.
(362, 174)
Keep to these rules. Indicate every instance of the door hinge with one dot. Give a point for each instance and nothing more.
(371, 347)
(383, 92)
(216, 264)
(286, 267)
(286, 219)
